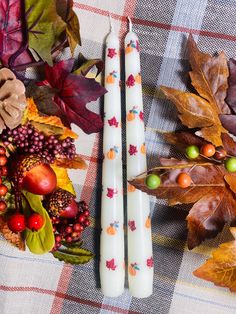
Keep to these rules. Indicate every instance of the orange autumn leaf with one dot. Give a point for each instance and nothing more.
(47, 124)
(63, 180)
(75, 163)
(221, 267)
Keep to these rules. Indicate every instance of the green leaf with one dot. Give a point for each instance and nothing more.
(86, 65)
(44, 26)
(42, 241)
(73, 255)
(76, 244)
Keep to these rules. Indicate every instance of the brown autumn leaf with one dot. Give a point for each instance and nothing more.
(221, 267)
(14, 238)
(211, 192)
(209, 76)
(196, 112)
(76, 163)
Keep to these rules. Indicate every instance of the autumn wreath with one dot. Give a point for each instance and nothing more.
(41, 95)
(206, 175)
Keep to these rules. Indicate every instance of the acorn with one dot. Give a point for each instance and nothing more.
(61, 203)
(35, 175)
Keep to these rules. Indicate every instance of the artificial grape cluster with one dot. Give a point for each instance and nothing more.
(69, 230)
(3, 173)
(28, 140)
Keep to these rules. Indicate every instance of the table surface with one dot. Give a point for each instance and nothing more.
(41, 284)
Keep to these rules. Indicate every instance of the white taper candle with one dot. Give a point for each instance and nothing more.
(112, 269)
(140, 259)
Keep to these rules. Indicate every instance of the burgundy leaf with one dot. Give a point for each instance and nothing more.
(231, 95)
(229, 122)
(74, 92)
(13, 34)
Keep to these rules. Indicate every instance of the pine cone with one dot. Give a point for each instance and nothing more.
(12, 100)
(14, 238)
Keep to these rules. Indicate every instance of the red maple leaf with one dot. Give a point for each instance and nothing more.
(111, 264)
(137, 46)
(111, 52)
(113, 122)
(111, 192)
(131, 224)
(130, 81)
(150, 262)
(132, 150)
(141, 115)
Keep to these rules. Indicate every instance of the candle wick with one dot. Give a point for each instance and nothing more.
(130, 24)
(111, 24)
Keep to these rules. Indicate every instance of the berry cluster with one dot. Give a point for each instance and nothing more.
(28, 140)
(69, 230)
(3, 173)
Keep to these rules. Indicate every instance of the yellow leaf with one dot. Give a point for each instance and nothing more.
(63, 180)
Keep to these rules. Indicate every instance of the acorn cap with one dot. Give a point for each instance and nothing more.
(58, 201)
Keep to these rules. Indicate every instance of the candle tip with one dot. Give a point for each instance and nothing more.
(111, 24)
(130, 24)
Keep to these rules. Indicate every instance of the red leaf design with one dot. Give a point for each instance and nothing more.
(113, 122)
(150, 262)
(111, 264)
(111, 192)
(141, 115)
(130, 81)
(111, 52)
(74, 92)
(132, 150)
(131, 224)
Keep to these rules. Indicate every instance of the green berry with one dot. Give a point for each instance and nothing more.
(192, 151)
(230, 164)
(153, 181)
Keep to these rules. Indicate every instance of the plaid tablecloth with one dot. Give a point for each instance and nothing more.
(41, 284)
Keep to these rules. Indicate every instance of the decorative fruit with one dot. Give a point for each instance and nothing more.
(138, 78)
(153, 181)
(208, 150)
(3, 171)
(220, 153)
(35, 222)
(132, 270)
(61, 203)
(192, 151)
(16, 223)
(3, 190)
(184, 180)
(3, 206)
(131, 188)
(111, 230)
(2, 150)
(230, 164)
(128, 49)
(111, 154)
(36, 175)
(110, 79)
(3, 160)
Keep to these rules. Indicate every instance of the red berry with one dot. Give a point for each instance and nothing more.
(4, 171)
(86, 213)
(81, 219)
(3, 190)
(86, 222)
(35, 222)
(2, 150)
(184, 180)
(208, 150)
(58, 238)
(74, 235)
(68, 239)
(3, 206)
(54, 229)
(220, 153)
(3, 160)
(0, 180)
(78, 227)
(68, 230)
(16, 223)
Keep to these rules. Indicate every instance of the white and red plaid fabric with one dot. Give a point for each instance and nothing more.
(41, 284)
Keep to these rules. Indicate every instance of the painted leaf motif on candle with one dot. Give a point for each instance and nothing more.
(111, 264)
(141, 115)
(132, 150)
(150, 262)
(131, 46)
(111, 77)
(111, 192)
(133, 267)
(131, 224)
(113, 122)
(130, 81)
(137, 46)
(111, 52)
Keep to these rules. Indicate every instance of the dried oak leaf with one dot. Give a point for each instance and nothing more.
(212, 192)
(14, 238)
(196, 112)
(209, 77)
(221, 267)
